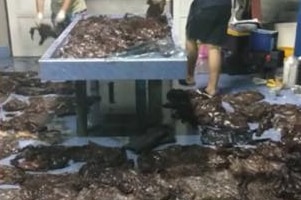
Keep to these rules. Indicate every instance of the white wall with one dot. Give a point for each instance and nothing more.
(181, 10)
(116, 6)
(3, 25)
(21, 15)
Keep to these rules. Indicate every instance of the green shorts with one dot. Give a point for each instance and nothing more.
(209, 25)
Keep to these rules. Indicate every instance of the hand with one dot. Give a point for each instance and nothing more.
(60, 17)
(39, 18)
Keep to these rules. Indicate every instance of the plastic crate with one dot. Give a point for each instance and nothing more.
(263, 40)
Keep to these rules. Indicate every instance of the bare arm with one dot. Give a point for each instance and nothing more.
(66, 5)
(40, 6)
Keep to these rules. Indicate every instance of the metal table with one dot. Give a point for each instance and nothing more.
(155, 69)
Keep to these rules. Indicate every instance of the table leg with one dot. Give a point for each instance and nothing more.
(94, 116)
(141, 106)
(155, 101)
(81, 107)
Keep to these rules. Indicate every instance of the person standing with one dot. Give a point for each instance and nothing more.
(207, 23)
(63, 11)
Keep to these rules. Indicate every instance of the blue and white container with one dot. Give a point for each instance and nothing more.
(263, 40)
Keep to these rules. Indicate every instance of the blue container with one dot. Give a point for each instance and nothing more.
(263, 40)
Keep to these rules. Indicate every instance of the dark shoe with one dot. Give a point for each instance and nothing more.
(185, 83)
(203, 91)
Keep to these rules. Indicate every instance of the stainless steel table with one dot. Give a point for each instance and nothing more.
(151, 67)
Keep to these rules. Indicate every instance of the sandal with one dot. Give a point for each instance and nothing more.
(185, 83)
(202, 91)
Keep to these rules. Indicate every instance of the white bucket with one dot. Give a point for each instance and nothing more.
(286, 34)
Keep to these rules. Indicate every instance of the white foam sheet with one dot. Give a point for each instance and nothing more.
(6, 161)
(24, 143)
(272, 134)
(70, 169)
(9, 187)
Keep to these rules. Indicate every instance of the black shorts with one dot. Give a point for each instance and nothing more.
(209, 25)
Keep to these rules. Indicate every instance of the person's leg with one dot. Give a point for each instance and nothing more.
(215, 37)
(192, 55)
(192, 33)
(214, 64)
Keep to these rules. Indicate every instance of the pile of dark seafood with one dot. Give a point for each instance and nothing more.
(233, 113)
(272, 171)
(263, 170)
(98, 37)
(27, 105)
(45, 31)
